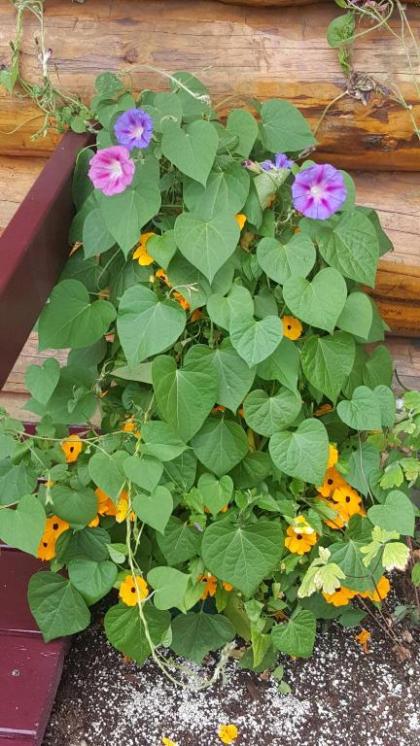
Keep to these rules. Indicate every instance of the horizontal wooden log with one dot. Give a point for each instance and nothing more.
(240, 52)
(405, 353)
(396, 196)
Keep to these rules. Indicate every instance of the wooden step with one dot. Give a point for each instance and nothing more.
(30, 669)
(240, 52)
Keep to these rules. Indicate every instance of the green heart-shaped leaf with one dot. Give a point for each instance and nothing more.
(192, 149)
(144, 471)
(154, 509)
(357, 315)
(41, 380)
(170, 586)
(266, 414)
(328, 361)
(362, 412)
(225, 191)
(125, 630)
(207, 242)
(71, 320)
(216, 493)
(147, 325)
(254, 340)
(282, 261)
(195, 634)
(58, 608)
(297, 636)
(22, 527)
(185, 396)
(220, 444)
(396, 514)
(319, 302)
(303, 453)
(242, 555)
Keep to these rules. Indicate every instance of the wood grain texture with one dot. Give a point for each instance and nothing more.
(405, 352)
(240, 52)
(396, 197)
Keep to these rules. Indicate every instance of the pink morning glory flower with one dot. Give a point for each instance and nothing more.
(134, 129)
(280, 161)
(111, 170)
(319, 191)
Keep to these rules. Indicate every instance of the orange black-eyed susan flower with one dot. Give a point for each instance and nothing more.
(46, 548)
(341, 596)
(347, 500)
(382, 589)
(332, 456)
(130, 426)
(141, 254)
(209, 582)
(240, 219)
(363, 639)
(105, 505)
(227, 586)
(55, 526)
(228, 733)
(72, 448)
(133, 588)
(301, 537)
(332, 481)
(292, 327)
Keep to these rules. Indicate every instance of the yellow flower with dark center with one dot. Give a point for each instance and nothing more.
(332, 481)
(72, 448)
(181, 300)
(141, 254)
(332, 456)
(46, 548)
(240, 219)
(133, 588)
(94, 522)
(383, 587)
(168, 742)
(363, 639)
(55, 526)
(341, 597)
(210, 585)
(122, 508)
(301, 537)
(339, 521)
(105, 505)
(347, 500)
(228, 733)
(130, 426)
(292, 327)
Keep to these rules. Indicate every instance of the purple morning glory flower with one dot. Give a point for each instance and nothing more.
(319, 191)
(111, 170)
(280, 161)
(134, 129)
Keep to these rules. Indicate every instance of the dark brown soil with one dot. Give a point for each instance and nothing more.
(340, 697)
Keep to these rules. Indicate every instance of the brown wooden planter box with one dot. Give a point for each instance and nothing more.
(33, 250)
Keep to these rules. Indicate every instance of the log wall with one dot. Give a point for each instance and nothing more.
(240, 52)
(242, 49)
